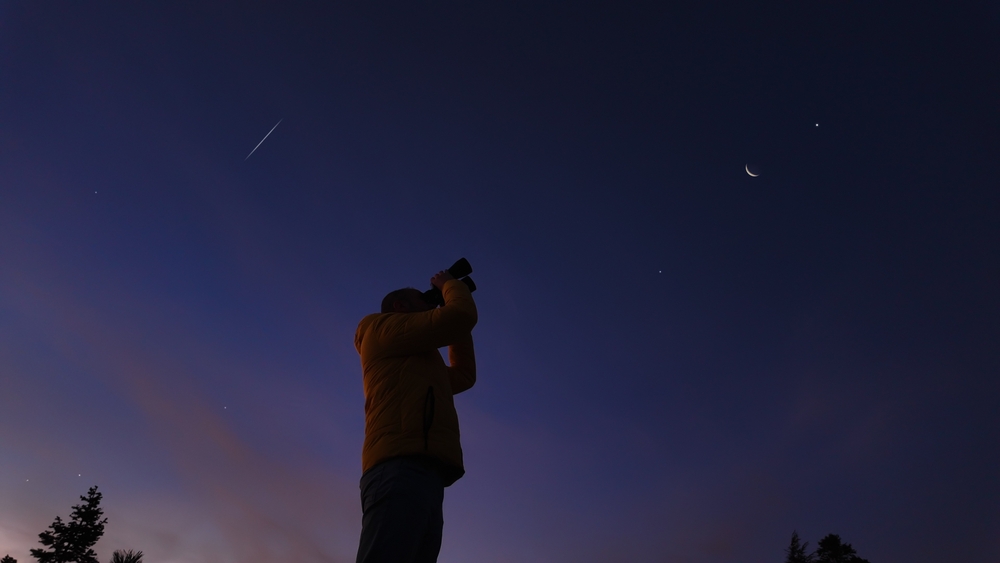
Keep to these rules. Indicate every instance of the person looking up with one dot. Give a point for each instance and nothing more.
(412, 449)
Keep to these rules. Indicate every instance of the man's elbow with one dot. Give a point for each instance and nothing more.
(467, 320)
(462, 380)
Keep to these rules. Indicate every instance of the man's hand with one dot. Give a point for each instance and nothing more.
(439, 279)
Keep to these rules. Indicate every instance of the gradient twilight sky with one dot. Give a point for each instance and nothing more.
(677, 362)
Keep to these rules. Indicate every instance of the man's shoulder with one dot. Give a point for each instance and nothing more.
(380, 324)
(369, 319)
(363, 327)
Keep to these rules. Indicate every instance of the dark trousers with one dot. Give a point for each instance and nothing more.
(401, 505)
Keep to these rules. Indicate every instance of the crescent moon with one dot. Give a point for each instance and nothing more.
(749, 172)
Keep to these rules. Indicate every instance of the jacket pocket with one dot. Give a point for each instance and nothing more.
(428, 414)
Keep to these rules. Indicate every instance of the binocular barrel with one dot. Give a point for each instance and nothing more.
(460, 270)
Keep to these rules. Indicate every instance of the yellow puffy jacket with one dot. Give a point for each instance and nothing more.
(409, 408)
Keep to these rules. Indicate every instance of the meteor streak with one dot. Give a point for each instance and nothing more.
(265, 138)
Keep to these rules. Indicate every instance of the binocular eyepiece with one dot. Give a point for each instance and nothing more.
(460, 271)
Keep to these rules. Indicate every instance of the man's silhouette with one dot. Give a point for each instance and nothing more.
(412, 449)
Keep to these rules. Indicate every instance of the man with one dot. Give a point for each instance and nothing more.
(412, 449)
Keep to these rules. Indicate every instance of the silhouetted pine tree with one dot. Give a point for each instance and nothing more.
(72, 542)
(796, 552)
(8, 559)
(832, 550)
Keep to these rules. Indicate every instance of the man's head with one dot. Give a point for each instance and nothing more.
(406, 300)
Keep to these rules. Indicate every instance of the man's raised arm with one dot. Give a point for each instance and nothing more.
(429, 330)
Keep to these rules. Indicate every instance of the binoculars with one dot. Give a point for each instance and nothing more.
(460, 271)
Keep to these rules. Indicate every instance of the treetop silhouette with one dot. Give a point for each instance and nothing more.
(831, 549)
(796, 551)
(126, 556)
(73, 542)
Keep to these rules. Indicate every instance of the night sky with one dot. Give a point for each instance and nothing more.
(678, 362)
